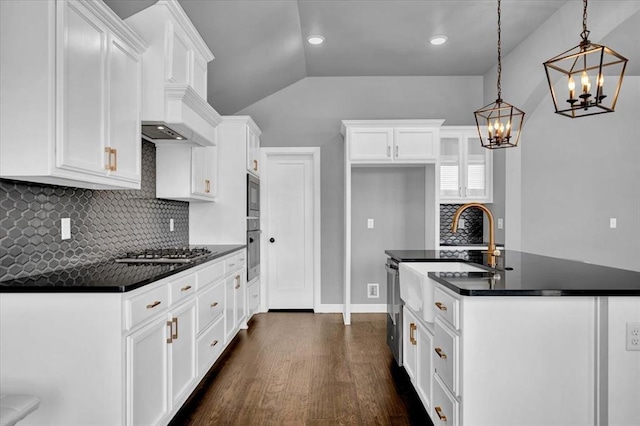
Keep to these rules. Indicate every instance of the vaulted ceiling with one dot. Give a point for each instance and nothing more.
(260, 45)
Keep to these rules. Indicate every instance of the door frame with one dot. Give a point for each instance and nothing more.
(314, 154)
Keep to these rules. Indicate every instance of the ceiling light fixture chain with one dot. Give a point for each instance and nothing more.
(499, 124)
(576, 77)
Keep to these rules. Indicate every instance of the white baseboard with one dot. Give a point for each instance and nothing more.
(361, 308)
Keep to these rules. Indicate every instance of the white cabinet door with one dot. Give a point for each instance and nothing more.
(82, 40)
(465, 166)
(147, 369)
(411, 144)
(182, 351)
(178, 66)
(123, 135)
(241, 291)
(424, 363)
(253, 152)
(203, 171)
(409, 344)
(373, 144)
(230, 308)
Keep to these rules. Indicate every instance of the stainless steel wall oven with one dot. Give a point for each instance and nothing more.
(253, 196)
(253, 248)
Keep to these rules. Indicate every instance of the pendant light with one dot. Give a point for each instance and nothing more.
(579, 67)
(503, 121)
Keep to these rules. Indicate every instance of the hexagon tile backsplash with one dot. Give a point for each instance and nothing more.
(472, 232)
(104, 224)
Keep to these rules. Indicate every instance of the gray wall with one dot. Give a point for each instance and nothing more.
(395, 199)
(569, 177)
(308, 113)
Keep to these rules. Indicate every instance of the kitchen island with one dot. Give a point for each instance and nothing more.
(535, 340)
(114, 343)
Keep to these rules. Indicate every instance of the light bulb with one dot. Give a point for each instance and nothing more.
(572, 87)
(586, 83)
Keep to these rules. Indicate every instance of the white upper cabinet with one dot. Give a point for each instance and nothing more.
(253, 148)
(398, 141)
(466, 172)
(196, 180)
(174, 105)
(71, 95)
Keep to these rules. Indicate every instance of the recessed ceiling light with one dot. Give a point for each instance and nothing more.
(315, 39)
(438, 40)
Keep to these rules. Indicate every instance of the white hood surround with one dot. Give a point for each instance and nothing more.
(174, 106)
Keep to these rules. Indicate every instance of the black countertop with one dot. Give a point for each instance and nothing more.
(525, 274)
(108, 276)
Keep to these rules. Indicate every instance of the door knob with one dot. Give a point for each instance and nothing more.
(250, 240)
(272, 240)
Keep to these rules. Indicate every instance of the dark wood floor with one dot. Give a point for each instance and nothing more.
(293, 368)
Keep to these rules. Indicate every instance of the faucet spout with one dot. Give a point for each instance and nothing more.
(491, 250)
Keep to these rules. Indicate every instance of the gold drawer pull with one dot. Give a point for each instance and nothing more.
(112, 153)
(412, 328)
(214, 304)
(441, 306)
(255, 165)
(154, 304)
(185, 288)
(175, 321)
(215, 342)
(207, 186)
(170, 325)
(440, 353)
(232, 264)
(237, 281)
(440, 415)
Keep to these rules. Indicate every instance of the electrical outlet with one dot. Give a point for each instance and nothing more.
(370, 223)
(65, 228)
(462, 223)
(633, 336)
(613, 223)
(373, 290)
(171, 225)
(500, 223)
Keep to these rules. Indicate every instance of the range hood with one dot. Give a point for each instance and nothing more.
(174, 78)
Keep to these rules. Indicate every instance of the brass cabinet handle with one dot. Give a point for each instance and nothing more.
(440, 415)
(207, 186)
(214, 304)
(154, 304)
(238, 281)
(170, 325)
(107, 164)
(112, 153)
(114, 167)
(175, 321)
(215, 342)
(397, 150)
(255, 165)
(388, 151)
(441, 306)
(440, 353)
(412, 328)
(185, 288)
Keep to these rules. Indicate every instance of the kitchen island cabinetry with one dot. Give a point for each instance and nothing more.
(417, 351)
(128, 358)
(71, 95)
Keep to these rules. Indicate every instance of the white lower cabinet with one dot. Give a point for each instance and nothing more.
(182, 351)
(417, 358)
(253, 298)
(235, 304)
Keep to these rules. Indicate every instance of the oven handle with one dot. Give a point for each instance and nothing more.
(391, 268)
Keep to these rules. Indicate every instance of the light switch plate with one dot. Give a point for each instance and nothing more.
(370, 223)
(65, 228)
(613, 222)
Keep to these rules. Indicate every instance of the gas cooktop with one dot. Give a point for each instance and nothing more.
(165, 255)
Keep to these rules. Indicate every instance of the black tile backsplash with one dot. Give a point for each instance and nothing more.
(104, 224)
(472, 232)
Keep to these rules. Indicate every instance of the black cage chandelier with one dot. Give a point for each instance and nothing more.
(503, 121)
(578, 68)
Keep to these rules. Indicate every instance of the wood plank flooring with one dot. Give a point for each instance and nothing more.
(298, 368)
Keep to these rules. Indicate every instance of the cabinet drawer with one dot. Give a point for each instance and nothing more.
(182, 288)
(210, 274)
(146, 305)
(445, 346)
(210, 305)
(210, 346)
(234, 263)
(445, 406)
(447, 307)
(253, 297)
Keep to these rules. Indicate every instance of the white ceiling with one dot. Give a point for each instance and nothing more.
(260, 45)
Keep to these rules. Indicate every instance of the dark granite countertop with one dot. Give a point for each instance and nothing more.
(525, 274)
(108, 276)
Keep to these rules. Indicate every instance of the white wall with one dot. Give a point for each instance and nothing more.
(309, 112)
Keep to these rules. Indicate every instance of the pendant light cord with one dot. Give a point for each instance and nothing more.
(500, 55)
(585, 32)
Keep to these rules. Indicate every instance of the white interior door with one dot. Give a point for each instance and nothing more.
(291, 224)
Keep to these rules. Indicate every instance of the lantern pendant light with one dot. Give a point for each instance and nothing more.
(503, 121)
(578, 68)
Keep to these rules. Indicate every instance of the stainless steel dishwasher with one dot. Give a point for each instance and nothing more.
(394, 310)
